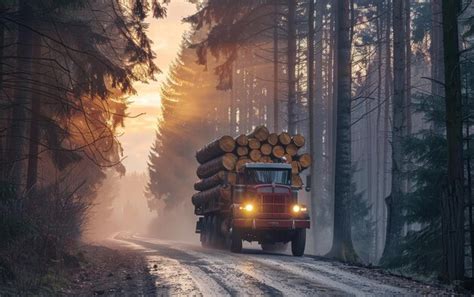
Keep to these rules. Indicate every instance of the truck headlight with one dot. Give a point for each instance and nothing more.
(247, 207)
(299, 208)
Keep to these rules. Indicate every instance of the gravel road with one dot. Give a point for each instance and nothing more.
(187, 269)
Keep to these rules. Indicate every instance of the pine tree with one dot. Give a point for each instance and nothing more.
(342, 247)
(189, 99)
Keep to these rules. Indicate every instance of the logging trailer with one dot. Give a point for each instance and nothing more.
(262, 206)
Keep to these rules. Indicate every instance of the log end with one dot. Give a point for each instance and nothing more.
(272, 139)
(305, 160)
(278, 151)
(255, 155)
(266, 149)
(254, 143)
(228, 161)
(291, 149)
(242, 140)
(227, 144)
(299, 140)
(284, 138)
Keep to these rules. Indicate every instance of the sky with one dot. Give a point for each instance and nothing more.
(139, 132)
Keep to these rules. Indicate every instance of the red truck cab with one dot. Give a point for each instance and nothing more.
(264, 208)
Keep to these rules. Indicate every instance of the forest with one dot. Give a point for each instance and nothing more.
(381, 89)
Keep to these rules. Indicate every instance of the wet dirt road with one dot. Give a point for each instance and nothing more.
(189, 270)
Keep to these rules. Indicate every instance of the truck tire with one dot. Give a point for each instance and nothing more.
(298, 242)
(274, 247)
(214, 231)
(235, 242)
(219, 238)
(205, 232)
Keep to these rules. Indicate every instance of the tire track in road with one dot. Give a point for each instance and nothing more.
(219, 273)
(294, 275)
(315, 272)
(214, 278)
(291, 284)
(242, 267)
(332, 276)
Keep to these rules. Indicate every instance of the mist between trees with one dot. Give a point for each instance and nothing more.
(364, 82)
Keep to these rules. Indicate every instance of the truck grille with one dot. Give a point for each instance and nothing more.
(275, 204)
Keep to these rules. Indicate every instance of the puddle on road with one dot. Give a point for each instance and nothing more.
(171, 278)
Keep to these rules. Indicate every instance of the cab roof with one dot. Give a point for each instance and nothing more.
(268, 166)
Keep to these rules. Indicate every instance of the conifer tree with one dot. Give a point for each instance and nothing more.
(189, 99)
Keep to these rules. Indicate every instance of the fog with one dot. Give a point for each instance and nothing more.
(121, 206)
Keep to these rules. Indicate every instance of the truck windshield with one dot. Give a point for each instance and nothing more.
(268, 176)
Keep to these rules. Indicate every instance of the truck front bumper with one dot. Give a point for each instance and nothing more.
(288, 224)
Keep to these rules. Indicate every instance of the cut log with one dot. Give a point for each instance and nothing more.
(225, 162)
(254, 144)
(260, 133)
(291, 149)
(242, 140)
(220, 178)
(284, 138)
(225, 144)
(266, 159)
(255, 155)
(219, 193)
(305, 160)
(295, 167)
(241, 162)
(288, 159)
(272, 139)
(299, 140)
(266, 149)
(278, 151)
(296, 181)
(242, 151)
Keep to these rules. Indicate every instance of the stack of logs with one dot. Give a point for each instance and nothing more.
(221, 159)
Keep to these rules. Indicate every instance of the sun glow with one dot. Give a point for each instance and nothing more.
(145, 109)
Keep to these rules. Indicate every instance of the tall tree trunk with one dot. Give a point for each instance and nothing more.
(453, 198)
(408, 53)
(388, 93)
(436, 49)
(276, 64)
(378, 213)
(395, 218)
(408, 111)
(317, 172)
(332, 98)
(17, 132)
(369, 163)
(311, 107)
(342, 247)
(3, 122)
(34, 138)
(291, 61)
(467, 128)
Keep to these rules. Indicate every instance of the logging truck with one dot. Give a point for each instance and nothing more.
(264, 208)
(248, 190)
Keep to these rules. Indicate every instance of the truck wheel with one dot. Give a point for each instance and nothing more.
(235, 242)
(219, 238)
(205, 232)
(214, 238)
(298, 243)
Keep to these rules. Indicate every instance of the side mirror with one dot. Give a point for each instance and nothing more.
(308, 183)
